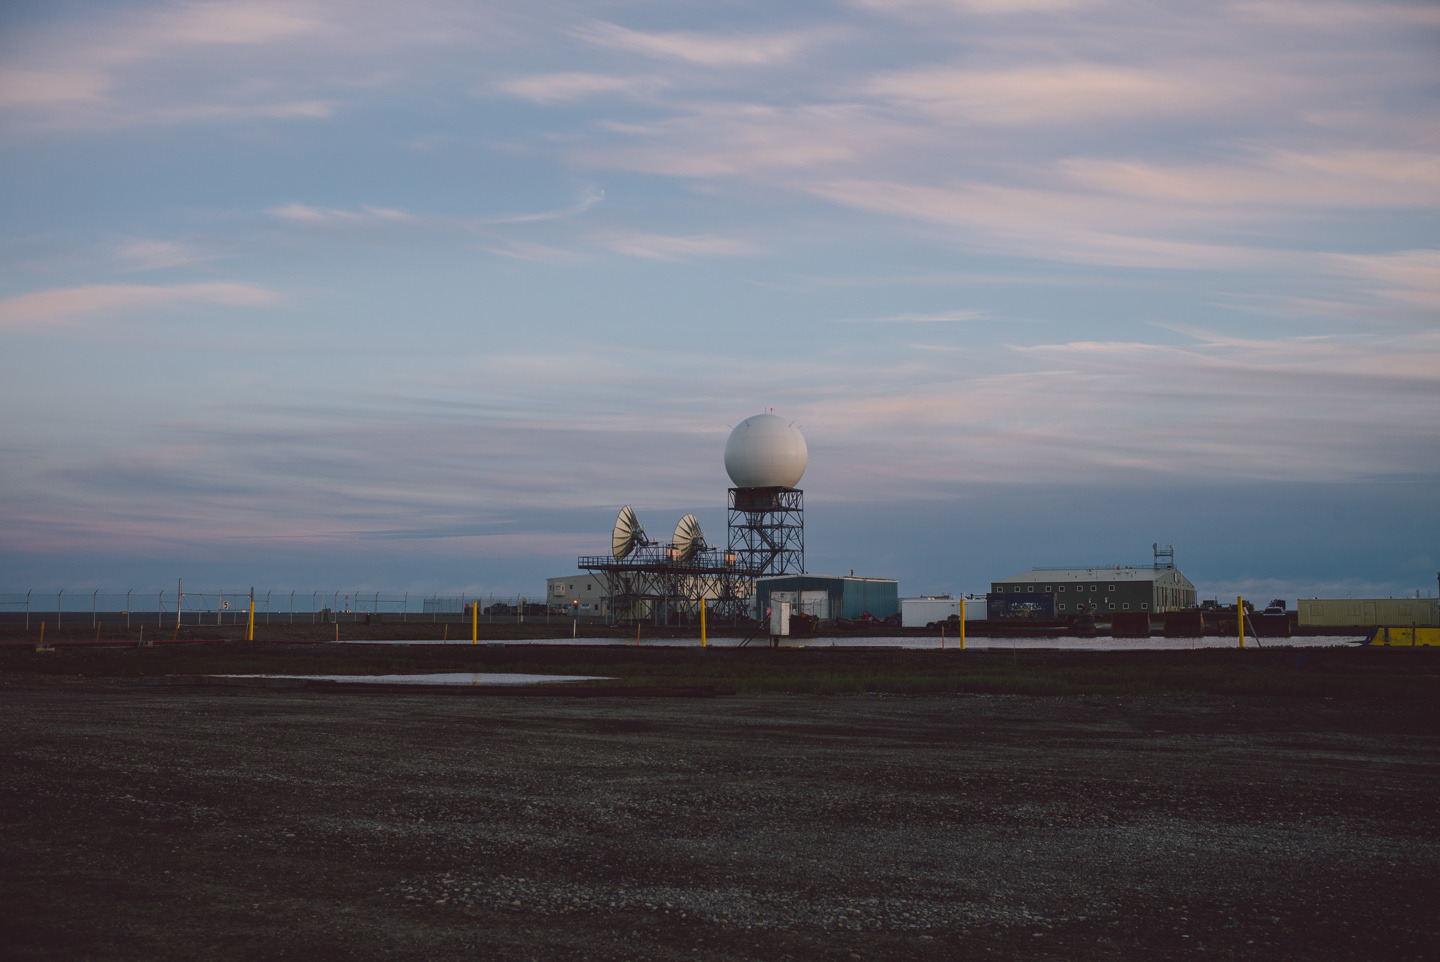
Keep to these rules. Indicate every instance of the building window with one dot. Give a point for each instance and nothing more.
(1112, 606)
(1094, 587)
(1126, 606)
(1062, 589)
(1017, 589)
(1030, 588)
(1144, 606)
(1048, 588)
(1062, 606)
(1112, 587)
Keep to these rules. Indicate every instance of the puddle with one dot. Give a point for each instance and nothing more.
(472, 678)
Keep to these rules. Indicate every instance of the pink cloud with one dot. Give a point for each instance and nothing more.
(66, 305)
(556, 88)
(1052, 93)
(49, 86)
(672, 248)
(704, 49)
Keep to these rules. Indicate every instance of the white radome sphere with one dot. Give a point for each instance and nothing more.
(765, 452)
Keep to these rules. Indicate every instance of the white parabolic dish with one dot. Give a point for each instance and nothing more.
(765, 452)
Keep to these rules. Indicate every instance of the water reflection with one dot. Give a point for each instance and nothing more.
(935, 642)
(439, 678)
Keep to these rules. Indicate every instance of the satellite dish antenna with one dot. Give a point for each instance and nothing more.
(628, 534)
(689, 539)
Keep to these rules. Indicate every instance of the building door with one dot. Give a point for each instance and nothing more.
(816, 604)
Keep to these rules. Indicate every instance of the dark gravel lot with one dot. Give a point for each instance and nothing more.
(148, 822)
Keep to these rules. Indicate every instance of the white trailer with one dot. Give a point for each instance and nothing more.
(923, 611)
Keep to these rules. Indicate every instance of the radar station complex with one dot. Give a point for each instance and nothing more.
(664, 583)
(644, 580)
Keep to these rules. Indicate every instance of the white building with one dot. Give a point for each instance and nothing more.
(582, 594)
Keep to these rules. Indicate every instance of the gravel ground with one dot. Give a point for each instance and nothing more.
(150, 822)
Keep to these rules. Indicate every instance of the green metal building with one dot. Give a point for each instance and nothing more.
(1120, 588)
(827, 597)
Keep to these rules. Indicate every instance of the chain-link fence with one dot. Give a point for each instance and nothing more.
(184, 606)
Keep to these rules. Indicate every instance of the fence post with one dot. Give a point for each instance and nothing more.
(59, 595)
(27, 609)
(127, 608)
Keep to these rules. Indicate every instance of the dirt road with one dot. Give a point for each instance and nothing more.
(145, 822)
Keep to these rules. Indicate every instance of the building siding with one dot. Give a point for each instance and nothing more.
(1109, 589)
(1367, 612)
(849, 597)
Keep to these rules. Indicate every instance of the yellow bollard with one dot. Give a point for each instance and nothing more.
(962, 624)
(1240, 618)
(475, 623)
(250, 624)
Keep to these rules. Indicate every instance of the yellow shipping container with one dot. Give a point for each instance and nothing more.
(1406, 637)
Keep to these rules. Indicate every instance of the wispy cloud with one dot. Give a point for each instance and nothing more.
(146, 254)
(188, 61)
(332, 217)
(591, 197)
(371, 217)
(67, 305)
(1409, 276)
(1278, 178)
(752, 141)
(952, 8)
(232, 22)
(667, 247)
(40, 87)
(534, 252)
(1069, 93)
(942, 317)
(574, 86)
(1068, 226)
(1339, 15)
(704, 49)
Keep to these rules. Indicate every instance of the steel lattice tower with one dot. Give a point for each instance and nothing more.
(766, 528)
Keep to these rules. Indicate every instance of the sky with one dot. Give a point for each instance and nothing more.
(414, 297)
